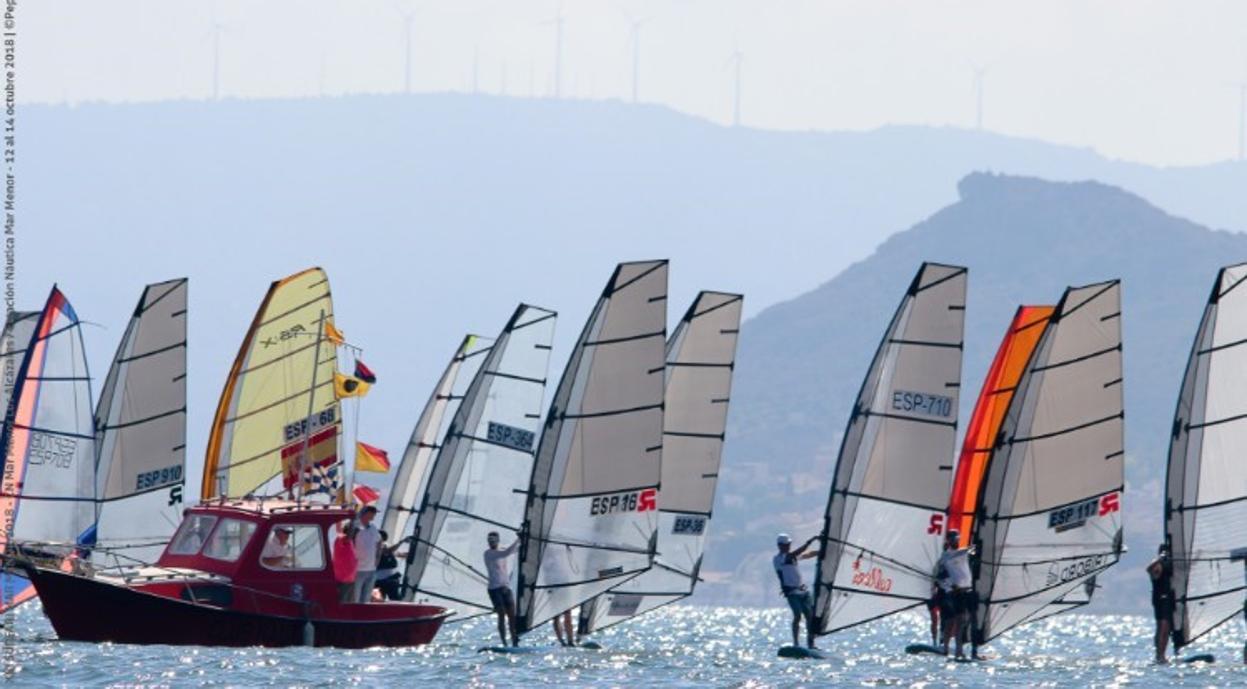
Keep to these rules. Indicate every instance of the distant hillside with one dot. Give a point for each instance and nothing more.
(434, 214)
(801, 362)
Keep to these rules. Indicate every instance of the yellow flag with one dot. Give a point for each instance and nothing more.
(333, 334)
(369, 458)
(349, 386)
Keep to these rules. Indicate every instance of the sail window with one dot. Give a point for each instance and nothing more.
(229, 540)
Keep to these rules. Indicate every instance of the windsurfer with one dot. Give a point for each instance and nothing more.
(1160, 571)
(934, 603)
(500, 585)
(790, 583)
(955, 579)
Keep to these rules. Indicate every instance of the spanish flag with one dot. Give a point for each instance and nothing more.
(369, 458)
(333, 334)
(345, 386)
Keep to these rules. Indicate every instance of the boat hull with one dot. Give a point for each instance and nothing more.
(85, 609)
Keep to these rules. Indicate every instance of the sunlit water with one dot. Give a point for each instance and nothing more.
(681, 646)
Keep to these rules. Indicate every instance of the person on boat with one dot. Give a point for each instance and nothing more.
(793, 587)
(345, 562)
(1160, 571)
(957, 581)
(277, 552)
(389, 579)
(367, 548)
(499, 586)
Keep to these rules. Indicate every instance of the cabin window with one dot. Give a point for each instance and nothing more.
(294, 547)
(192, 535)
(229, 539)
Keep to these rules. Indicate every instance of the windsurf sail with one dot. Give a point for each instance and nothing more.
(592, 513)
(882, 528)
(989, 413)
(140, 431)
(413, 471)
(48, 492)
(284, 370)
(1206, 483)
(701, 355)
(18, 328)
(1050, 507)
(480, 476)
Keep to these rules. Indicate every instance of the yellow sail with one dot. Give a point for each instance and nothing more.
(263, 415)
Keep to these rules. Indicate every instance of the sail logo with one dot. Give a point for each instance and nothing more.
(872, 578)
(936, 526)
(924, 403)
(1073, 516)
(52, 450)
(283, 336)
(634, 501)
(157, 478)
(510, 436)
(689, 526)
(296, 430)
(1059, 574)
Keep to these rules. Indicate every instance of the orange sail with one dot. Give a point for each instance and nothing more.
(989, 412)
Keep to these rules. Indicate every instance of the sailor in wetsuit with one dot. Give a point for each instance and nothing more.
(786, 568)
(1160, 571)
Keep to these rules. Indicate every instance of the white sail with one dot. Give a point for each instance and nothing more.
(881, 536)
(48, 479)
(140, 431)
(1051, 501)
(592, 513)
(401, 500)
(1206, 487)
(701, 355)
(480, 476)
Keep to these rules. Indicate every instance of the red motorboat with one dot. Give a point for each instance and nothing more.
(214, 585)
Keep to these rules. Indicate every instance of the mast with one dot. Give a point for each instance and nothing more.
(311, 408)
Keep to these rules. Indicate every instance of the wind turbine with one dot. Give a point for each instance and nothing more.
(635, 29)
(980, 76)
(476, 64)
(558, 50)
(737, 58)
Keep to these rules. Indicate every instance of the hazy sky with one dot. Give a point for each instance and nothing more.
(1140, 80)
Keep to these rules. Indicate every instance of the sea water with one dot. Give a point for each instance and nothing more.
(675, 647)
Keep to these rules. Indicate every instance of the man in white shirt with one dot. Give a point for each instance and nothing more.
(367, 546)
(790, 583)
(277, 552)
(499, 586)
(954, 577)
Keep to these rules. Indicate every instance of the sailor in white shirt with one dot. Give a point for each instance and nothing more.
(277, 552)
(957, 582)
(786, 563)
(499, 587)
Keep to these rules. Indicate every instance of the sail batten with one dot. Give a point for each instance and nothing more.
(892, 478)
(592, 506)
(1049, 503)
(1206, 484)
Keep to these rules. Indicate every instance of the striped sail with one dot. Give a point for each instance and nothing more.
(278, 404)
(1206, 483)
(592, 514)
(881, 530)
(402, 498)
(479, 478)
(19, 327)
(140, 430)
(1050, 516)
(989, 413)
(701, 356)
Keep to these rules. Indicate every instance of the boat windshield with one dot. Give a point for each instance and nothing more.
(229, 539)
(192, 535)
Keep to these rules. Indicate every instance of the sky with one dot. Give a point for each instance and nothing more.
(1139, 80)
